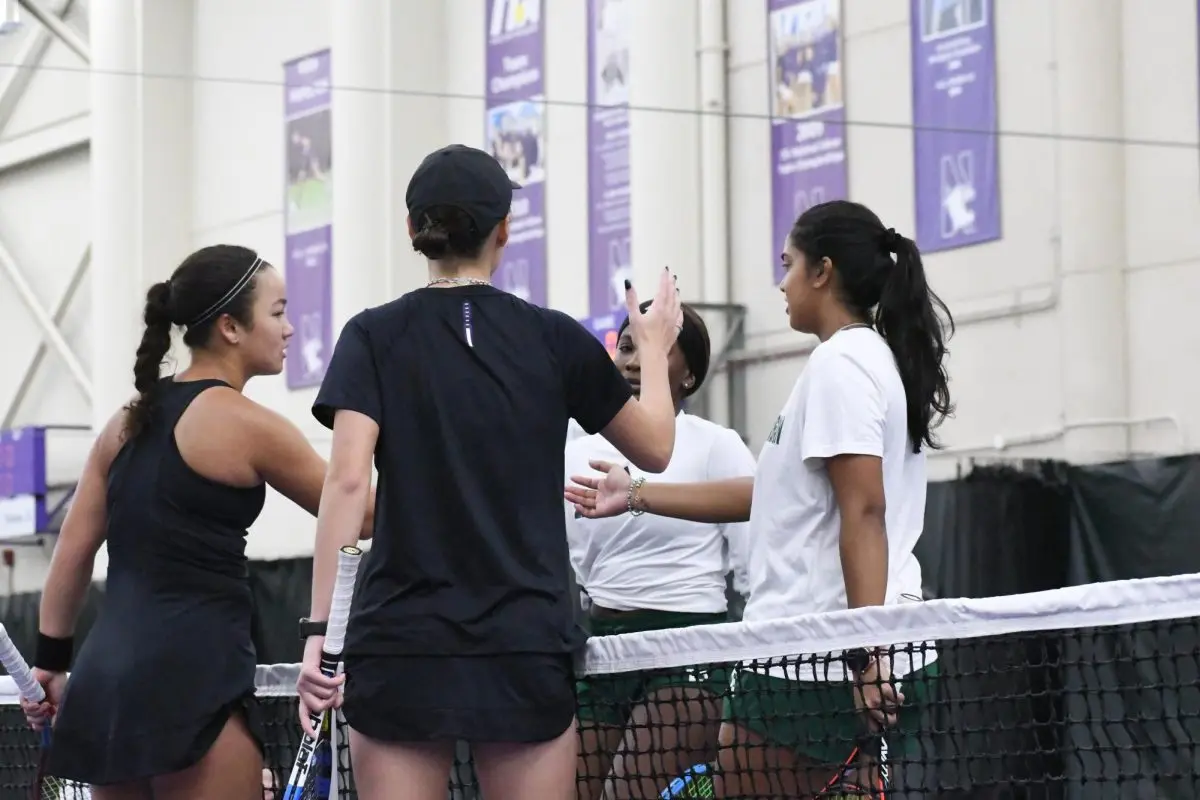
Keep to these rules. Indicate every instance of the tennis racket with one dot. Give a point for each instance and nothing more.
(845, 785)
(305, 781)
(696, 781)
(45, 786)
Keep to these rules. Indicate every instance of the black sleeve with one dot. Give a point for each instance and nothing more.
(595, 388)
(352, 381)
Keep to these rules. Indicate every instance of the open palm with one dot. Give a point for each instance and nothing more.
(602, 495)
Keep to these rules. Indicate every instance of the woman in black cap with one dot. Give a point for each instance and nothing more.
(646, 572)
(462, 626)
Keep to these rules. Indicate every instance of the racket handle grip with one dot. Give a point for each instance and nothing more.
(18, 670)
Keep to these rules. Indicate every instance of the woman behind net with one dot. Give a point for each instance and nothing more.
(160, 701)
(462, 625)
(838, 505)
(648, 573)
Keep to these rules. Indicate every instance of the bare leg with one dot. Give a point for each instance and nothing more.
(421, 768)
(749, 767)
(673, 729)
(122, 791)
(596, 746)
(542, 770)
(231, 769)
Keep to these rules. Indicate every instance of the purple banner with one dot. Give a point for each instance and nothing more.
(609, 257)
(808, 114)
(955, 119)
(308, 218)
(516, 136)
(604, 328)
(23, 482)
(22, 462)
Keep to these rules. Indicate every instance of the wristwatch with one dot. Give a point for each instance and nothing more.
(311, 627)
(857, 660)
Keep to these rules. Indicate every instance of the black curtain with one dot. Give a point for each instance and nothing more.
(1132, 694)
(993, 722)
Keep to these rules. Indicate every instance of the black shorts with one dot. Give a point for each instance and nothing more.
(500, 698)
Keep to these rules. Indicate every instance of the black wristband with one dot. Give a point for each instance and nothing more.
(53, 654)
(312, 627)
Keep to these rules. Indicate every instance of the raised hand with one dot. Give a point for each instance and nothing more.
(602, 495)
(660, 325)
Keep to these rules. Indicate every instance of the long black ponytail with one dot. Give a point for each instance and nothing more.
(882, 279)
(152, 350)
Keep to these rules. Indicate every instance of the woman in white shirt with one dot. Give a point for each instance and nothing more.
(651, 572)
(836, 507)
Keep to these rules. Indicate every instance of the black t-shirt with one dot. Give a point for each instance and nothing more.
(472, 389)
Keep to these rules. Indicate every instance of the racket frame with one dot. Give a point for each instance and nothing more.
(331, 656)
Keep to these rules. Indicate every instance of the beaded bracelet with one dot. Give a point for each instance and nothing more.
(635, 486)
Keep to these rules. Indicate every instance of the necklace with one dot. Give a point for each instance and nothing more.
(848, 327)
(457, 282)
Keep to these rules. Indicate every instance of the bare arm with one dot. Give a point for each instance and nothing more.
(83, 532)
(608, 495)
(343, 501)
(287, 462)
(644, 430)
(714, 502)
(857, 482)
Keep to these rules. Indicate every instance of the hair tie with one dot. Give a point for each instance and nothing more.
(891, 240)
(228, 296)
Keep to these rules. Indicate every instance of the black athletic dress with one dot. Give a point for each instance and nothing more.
(170, 656)
(463, 623)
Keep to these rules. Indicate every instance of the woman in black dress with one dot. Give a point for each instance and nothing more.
(462, 626)
(160, 701)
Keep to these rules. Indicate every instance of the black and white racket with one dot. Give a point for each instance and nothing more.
(305, 779)
(45, 786)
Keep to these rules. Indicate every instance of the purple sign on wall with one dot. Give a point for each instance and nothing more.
(22, 462)
(954, 111)
(808, 114)
(516, 136)
(308, 218)
(23, 482)
(609, 256)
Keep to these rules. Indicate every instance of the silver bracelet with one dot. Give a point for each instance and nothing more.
(635, 486)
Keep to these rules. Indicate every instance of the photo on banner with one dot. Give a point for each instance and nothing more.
(604, 327)
(515, 124)
(609, 252)
(308, 217)
(808, 112)
(956, 155)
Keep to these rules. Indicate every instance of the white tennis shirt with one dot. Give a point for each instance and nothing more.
(628, 563)
(848, 400)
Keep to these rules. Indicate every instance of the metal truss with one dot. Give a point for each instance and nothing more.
(23, 151)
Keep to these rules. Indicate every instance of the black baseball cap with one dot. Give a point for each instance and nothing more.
(465, 178)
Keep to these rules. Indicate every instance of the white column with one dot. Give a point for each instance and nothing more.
(361, 161)
(418, 116)
(664, 144)
(167, 127)
(1091, 210)
(115, 201)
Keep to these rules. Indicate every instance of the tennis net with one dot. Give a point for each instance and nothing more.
(1089, 692)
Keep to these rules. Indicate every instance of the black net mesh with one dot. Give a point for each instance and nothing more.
(1023, 703)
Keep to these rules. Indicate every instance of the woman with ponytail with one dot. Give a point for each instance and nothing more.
(836, 507)
(160, 701)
